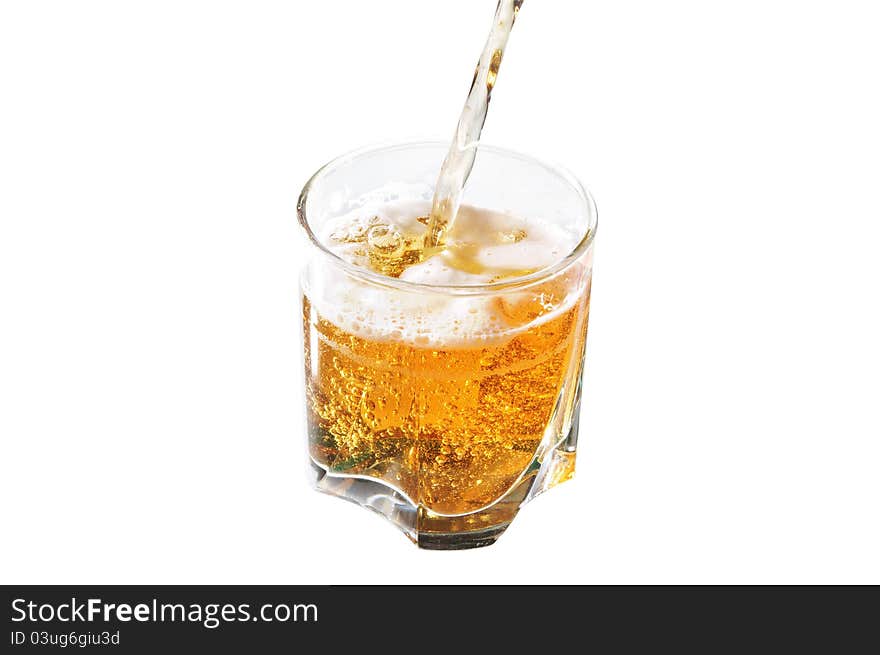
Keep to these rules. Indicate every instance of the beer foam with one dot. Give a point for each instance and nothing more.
(483, 246)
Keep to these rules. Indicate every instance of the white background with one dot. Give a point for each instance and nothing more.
(151, 406)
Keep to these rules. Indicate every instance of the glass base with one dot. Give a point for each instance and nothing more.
(437, 532)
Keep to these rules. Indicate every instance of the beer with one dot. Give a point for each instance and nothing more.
(448, 399)
(463, 150)
(444, 342)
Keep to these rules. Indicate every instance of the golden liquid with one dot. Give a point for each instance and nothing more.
(463, 150)
(451, 427)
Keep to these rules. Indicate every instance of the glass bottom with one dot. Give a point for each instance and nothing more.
(437, 532)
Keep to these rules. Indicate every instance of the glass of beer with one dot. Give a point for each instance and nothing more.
(443, 384)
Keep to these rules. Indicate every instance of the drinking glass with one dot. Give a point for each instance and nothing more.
(445, 428)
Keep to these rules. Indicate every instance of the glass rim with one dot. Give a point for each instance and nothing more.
(457, 289)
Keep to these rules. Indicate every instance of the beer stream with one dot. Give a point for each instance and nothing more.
(463, 151)
(390, 250)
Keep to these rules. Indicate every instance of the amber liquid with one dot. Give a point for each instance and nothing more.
(464, 424)
(463, 151)
(451, 427)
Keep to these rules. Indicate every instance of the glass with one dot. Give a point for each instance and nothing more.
(446, 439)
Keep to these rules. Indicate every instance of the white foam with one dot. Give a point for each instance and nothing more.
(427, 318)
